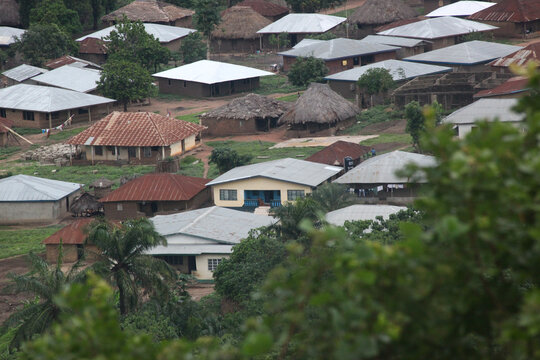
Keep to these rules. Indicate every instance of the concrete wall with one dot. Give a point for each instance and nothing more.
(258, 183)
(226, 127)
(41, 120)
(339, 65)
(202, 272)
(195, 89)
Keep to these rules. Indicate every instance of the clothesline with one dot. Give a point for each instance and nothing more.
(59, 127)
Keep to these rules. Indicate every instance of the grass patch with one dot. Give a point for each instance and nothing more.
(26, 131)
(19, 241)
(289, 98)
(277, 84)
(7, 151)
(388, 138)
(376, 114)
(191, 166)
(66, 134)
(344, 13)
(193, 118)
(169, 97)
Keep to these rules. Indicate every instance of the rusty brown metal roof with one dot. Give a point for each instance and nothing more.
(158, 187)
(512, 86)
(335, 153)
(68, 59)
(520, 57)
(265, 8)
(71, 234)
(510, 11)
(136, 129)
(92, 46)
(150, 11)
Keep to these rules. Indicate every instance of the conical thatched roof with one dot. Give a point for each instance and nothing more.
(240, 22)
(251, 106)
(319, 104)
(377, 12)
(149, 11)
(10, 13)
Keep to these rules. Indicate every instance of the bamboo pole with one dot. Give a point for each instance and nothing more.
(13, 132)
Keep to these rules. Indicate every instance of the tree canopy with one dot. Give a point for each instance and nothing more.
(56, 12)
(193, 48)
(227, 159)
(311, 6)
(206, 18)
(306, 70)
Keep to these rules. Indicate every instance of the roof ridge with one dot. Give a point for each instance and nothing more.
(197, 219)
(156, 128)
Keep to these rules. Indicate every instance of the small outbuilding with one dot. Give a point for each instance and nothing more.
(512, 17)
(22, 74)
(269, 10)
(206, 78)
(86, 204)
(374, 13)
(336, 153)
(102, 187)
(249, 114)
(30, 199)
(152, 11)
(319, 110)
(237, 31)
(73, 240)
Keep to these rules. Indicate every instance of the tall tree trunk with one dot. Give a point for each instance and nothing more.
(208, 47)
(125, 106)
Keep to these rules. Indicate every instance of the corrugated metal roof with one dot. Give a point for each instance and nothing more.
(23, 72)
(361, 212)
(305, 42)
(289, 170)
(520, 57)
(393, 40)
(338, 49)
(158, 187)
(467, 53)
(381, 169)
(303, 23)
(164, 33)
(92, 46)
(71, 234)
(70, 60)
(31, 188)
(335, 153)
(488, 109)
(211, 72)
(436, 28)
(400, 70)
(460, 8)
(510, 11)
(9, 34)
(46, 98)
(136, 129)
(512, 86)
(71, 78)
(190, 249)
(215, 223)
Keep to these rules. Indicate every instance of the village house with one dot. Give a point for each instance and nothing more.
(375, 179)
(249, 114)
(521, 57)
(270, 183)
(514, 87)
(336, 153)
(464, 120)
(155, 194)
(136, 138)
(340, 54)
(462, 8)
(440, 31)
(206, 78)
(71, 77)
(30, 199)
(361, 212)
(407, 47)
(298, 26)
(86, 204)
(46, 107)
(237, 31)
(73, 61)
(198, 240)
(152, 11)
(271, 11)
(345, 82)
(319, 110)
(22, 74)
(5, 126)
(512, 17)
(93, 50)
(73, 240)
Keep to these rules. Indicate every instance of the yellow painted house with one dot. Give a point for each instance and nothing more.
(270, 183)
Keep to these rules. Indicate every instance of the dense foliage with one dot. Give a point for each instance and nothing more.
(306, 70)
(206, 18)
(193, 48)
(376, 81)
(310, 6)
(227, 159)
(56, 12)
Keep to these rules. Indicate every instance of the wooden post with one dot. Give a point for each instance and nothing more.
(50, 120)
(163, 153)
(116, 150)
(89, 114)
(92, 154)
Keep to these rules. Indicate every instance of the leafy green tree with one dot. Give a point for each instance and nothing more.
(122, 260)
(415, 122)
(25, 6)
(305, 70)
(375, 81)
(279, 40)
(311, 6)
(42, 42)
(44, 282)
(193, 48)
(323, 36)
(125, 81)
(292, 215)
(206, 18)
(55, 12)
(227, 159)
(332, 196)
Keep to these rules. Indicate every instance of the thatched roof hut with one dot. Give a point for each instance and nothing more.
(86, 203)
(152, 11)
(102, 187)
(249, 114)
(240, 22)
(378, 12)
(267, 9)
(9, 16)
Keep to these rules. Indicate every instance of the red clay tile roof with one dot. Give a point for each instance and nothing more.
(265, 8)
(510, 11)
(335, 153)
(520, 57)
(158, 187)
(514, 85)
(136, 129)
(5, 122)
(71, 234)
(92, 46)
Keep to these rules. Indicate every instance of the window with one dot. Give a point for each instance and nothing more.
(169, 82)
(3, 113)
(28, 115)
(83, 111)
(295, 194)
(228, 195)
(98, 150)
(55, 115)
(119, 207)
(344, 62)
(172, 259)
(356, 60)
(112, 149)
(185, 83)
(213, 264)
(147, 152)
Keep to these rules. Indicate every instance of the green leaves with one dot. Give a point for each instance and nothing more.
(376, 81)
(306, 70)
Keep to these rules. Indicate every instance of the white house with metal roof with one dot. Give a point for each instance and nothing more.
(340, 54)
(22, 74)
(361, 212)
(71, 77)
(30, 199)
(8, 35)
(464, 120)
(462, 8)
(41, 107)
(205, 78)
(198, 240)
(270, 183)
(344, 83)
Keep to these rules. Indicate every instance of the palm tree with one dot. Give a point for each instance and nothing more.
(332, 196)
(45, 282)
(290, 216)
(122, 259)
